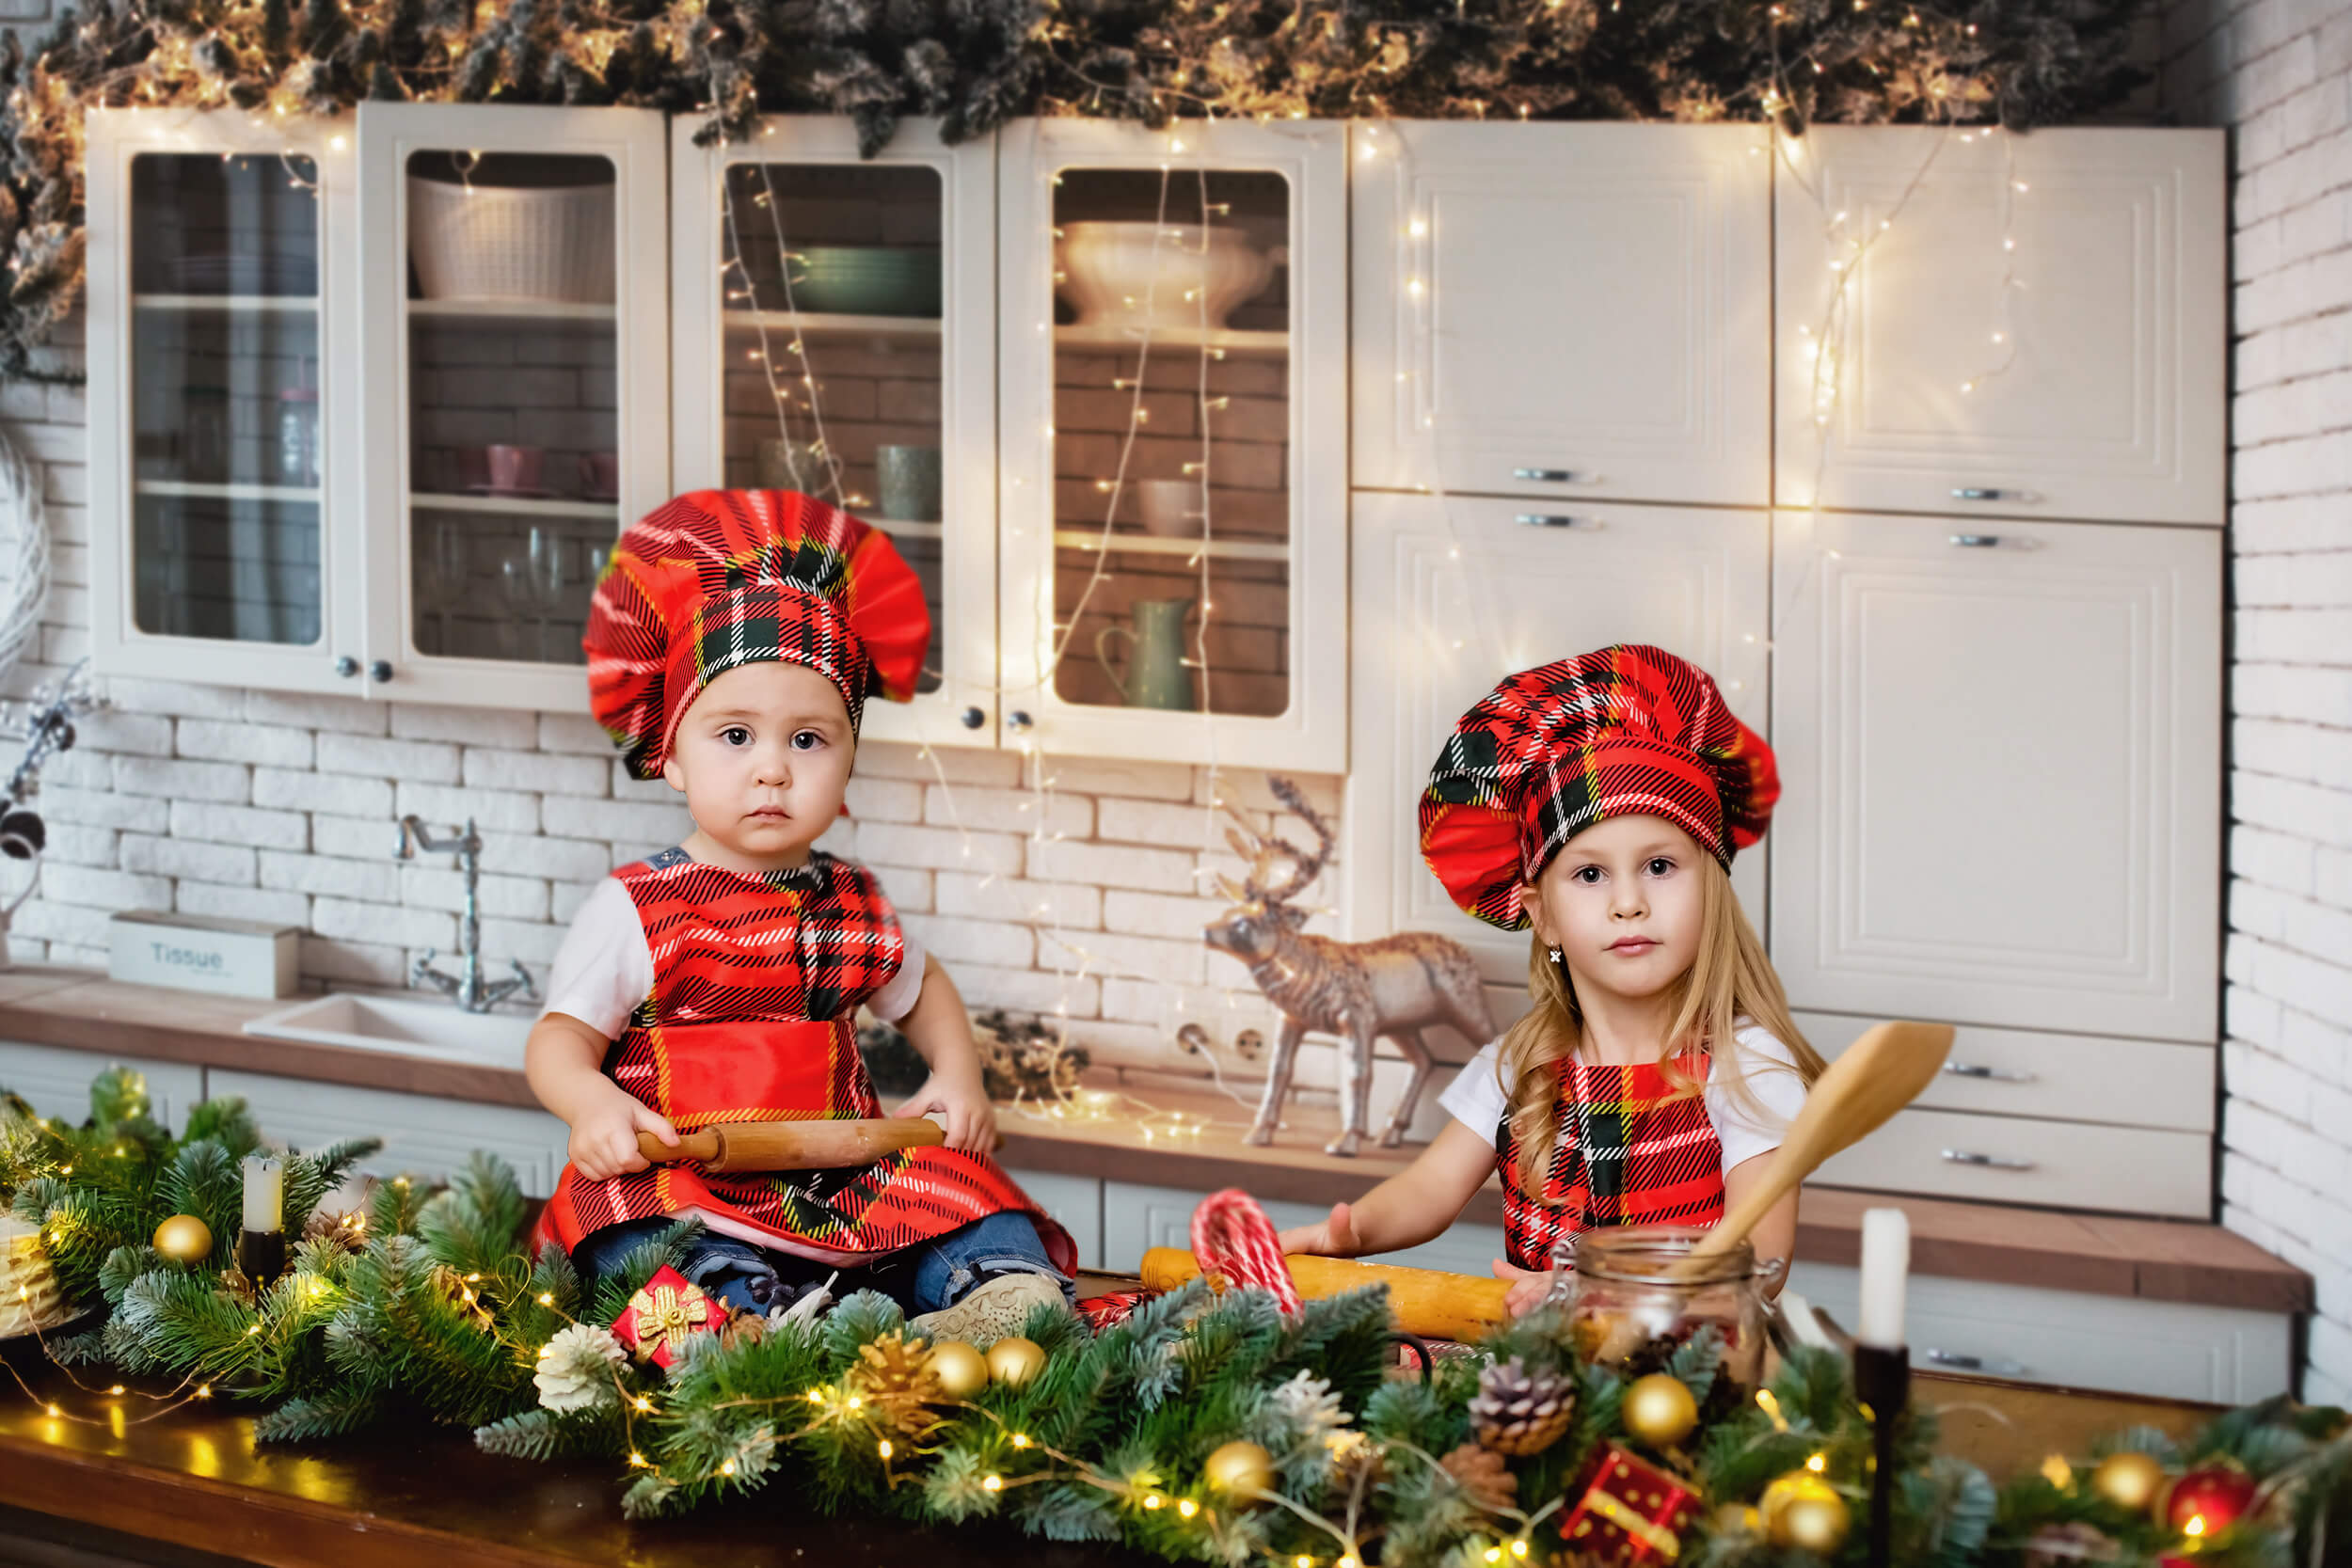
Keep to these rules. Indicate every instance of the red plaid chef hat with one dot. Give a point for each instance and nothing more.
(720, 578)
(1627, 731)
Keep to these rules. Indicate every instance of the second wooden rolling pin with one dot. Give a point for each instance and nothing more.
(1420, 1301)
(741, 1146)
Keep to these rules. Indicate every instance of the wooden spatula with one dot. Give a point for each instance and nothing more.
(1879, 1074)
(742, 1146)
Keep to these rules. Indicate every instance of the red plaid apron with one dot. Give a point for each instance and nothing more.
(756, 982)
(1632, 1150)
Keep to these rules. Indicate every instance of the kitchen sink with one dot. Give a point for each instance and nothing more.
(401, 1025)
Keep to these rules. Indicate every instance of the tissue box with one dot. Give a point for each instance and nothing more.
(206, 953)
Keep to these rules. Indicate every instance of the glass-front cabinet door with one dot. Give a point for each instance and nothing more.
(516, 292)
(223, 429)
(1173, 500)
(836, 335)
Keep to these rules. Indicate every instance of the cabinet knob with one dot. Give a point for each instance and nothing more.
(1990, 1162)
(1019, 719)
(1548, 520)
(380, 672)
(973, 718)
(1553, 476)
(346, 666)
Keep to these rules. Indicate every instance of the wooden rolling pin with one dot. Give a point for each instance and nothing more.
(739, 1146)
(1420, 1301)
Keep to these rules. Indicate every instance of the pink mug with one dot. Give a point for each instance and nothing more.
(515, 468)
(601, 472)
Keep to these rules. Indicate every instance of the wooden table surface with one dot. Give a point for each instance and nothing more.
(194, 1479)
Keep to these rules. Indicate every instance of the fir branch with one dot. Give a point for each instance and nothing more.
(545, 1434)
(333, 1413)
(311, 1177)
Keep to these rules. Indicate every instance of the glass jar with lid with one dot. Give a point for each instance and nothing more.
(1633, 1299)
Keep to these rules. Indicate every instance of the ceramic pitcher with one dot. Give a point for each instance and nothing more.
(1157, 676)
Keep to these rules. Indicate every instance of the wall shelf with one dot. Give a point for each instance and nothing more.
(230, 305)
(1234, 344)
(814, 324)
(515, 506)
(189, 488)
(506, 311)
(1152, 544)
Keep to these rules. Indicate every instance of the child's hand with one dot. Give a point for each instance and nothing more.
(971, 1120)
(1334, 1237)
(604, 1139)
(1529, 1287)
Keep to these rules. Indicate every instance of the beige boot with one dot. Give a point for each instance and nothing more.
(994, 1310)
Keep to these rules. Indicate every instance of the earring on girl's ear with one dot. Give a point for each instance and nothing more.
(1555, 955)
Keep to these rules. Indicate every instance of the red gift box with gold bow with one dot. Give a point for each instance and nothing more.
(1631, 1512)
(661, 1316)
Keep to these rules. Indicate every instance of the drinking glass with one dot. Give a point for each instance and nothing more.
(532, 579)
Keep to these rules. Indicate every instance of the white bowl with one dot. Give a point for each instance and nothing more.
(1141, 273)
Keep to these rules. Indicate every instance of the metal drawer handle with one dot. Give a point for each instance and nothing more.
(1553, 476)
(1994, 1162)
(1986, 493)
(1548, 520)
(1998, 1075)
(1960, 1362)
(1976, 541)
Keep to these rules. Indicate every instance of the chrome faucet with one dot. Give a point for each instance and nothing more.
(472, 991)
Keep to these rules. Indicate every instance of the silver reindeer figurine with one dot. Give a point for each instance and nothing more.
(1358, 990)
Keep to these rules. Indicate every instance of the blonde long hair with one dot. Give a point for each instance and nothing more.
(1729, 980)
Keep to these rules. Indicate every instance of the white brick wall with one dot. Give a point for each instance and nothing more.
(2278, 72)
(1087, 902)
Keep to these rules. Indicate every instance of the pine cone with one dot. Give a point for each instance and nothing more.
(1483, 1476)
(576, 1368)
(897, 1380)
(1519, 1412)
(744, 1328)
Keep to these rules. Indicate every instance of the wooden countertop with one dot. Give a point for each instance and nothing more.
(403, 1495)
(2058, 1249)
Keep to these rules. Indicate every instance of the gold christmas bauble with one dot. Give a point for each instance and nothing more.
(2129, 1480)
(1659, 1411)
(1241, 1470)
(961, 1371)
(185, 1238)
(1013, 1362)
(1802, 1510)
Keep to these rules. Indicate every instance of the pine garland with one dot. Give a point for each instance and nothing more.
(430, 1308)
(976, 64)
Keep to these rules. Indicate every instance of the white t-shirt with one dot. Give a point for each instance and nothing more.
(605, 967)
(1478, 1100)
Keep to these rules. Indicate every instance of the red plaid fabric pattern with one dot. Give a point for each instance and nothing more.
(1633, 1149)
(721, 577)
(757, 980)
(1626, 731)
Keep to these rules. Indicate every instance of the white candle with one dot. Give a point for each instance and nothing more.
(1886, 1266)
(264, 1194)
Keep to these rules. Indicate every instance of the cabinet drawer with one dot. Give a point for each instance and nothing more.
(2174, 1349)
(2025, 1072)
(423, 1136)
(1136, 1218)
(1076, 1201)
(56, 1082)
(2066, 1165)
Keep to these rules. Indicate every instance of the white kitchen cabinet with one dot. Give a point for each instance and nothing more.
(2011, 1158)
(862, 370)
(1136, 1217)
(424, 1137)
(1172, 329)
(2031, 325)
(515, 329)
(1577, 310)
(223, 394)
(1075, 1202)
(2164, 1349)
(1999, 755)
(55, 1083)
(1453, 593)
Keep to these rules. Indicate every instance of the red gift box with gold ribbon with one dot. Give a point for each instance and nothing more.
(1631, 1512)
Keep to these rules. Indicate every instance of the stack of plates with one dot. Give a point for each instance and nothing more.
(245, 273)
(865, 280)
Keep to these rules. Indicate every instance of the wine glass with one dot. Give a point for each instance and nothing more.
(532, 579)
(443, 569)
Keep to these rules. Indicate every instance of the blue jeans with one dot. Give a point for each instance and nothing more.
(921, 1278)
